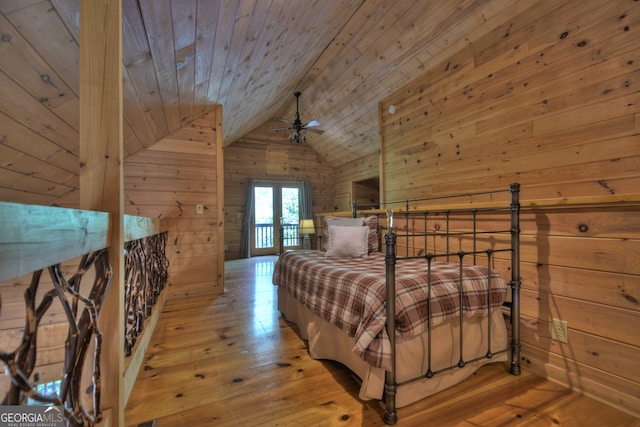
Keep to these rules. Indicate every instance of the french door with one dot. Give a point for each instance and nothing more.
(276, 204)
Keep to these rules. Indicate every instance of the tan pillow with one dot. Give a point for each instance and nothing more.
(374, 242)
(348, 242)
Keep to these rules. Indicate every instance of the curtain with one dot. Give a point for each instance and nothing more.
(306, 205)
(245, 232)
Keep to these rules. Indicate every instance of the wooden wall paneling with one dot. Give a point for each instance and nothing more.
(493, 106)
(132, 144)
(157, 19)
(366, 193)
(591, 381)
(184, 40)
(606, 288)
(598, 254)
(206, 25)
(184, 170)
(242, 21)
(559, 60)
(136, 55)
(22, 139)
(357, 170)
(604, 222)
(547, 100)
(42, 81)
(23, 109)
(31, 185)
(275, 161)
(167, 181)
(21, 197)
(584, 316)
(44, 28)
(341, 48)
(250, 26)
(597, 299)
(390, 60)
(141, 133)
(169, 185)
(224, 32)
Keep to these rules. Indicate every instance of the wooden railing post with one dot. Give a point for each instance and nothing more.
(101, 173)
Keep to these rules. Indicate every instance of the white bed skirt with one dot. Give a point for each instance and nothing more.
(328, 342)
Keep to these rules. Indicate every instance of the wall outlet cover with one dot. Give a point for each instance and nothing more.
(559, 330)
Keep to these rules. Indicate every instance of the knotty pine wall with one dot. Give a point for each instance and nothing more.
(168, 181)
(260, 156)
(549, 100)
(357, 170)
(165, 181)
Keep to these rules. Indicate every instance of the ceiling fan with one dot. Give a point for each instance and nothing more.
(298, 129)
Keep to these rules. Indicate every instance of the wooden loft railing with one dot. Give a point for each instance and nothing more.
(35, 238)
(146, 275)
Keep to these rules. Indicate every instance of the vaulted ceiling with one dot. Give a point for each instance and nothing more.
(181, 57)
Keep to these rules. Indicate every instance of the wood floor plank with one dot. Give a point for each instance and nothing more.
(232, 360)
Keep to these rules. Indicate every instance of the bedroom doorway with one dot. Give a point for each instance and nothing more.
(276, 204)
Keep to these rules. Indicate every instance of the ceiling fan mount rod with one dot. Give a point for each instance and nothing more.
(297, 124)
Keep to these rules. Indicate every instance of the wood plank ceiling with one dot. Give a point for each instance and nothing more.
(181, 57)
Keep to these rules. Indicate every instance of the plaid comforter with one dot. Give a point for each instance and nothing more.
(350, 294)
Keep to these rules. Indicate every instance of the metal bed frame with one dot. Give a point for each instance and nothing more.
(391, 258)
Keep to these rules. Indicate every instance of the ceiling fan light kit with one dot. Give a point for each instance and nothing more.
(298, 137)
(298, 129)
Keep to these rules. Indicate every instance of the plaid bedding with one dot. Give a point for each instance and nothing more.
(350, 294)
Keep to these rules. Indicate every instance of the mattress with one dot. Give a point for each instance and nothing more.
(350, 294)
(326, 341)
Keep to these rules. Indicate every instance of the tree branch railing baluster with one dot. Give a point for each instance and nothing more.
(145, 277)
(26, 249)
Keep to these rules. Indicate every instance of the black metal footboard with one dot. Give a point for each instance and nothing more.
(511, 208)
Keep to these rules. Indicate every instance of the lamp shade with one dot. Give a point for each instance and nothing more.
(307, 226)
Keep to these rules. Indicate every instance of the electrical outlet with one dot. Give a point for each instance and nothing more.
(199, 209)
(559, 330)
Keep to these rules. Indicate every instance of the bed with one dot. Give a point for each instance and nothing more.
(446, 283)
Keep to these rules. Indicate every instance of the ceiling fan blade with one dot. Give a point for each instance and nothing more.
(316, 131)
(312, 123)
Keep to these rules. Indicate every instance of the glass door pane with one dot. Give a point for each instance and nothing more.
(276, 204)
(263, 218)
(290, 208)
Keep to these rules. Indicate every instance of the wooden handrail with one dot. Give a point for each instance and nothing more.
(138, 227)
(632, 199)
(34, 237)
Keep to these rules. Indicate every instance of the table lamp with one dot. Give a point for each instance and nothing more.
(306, 228)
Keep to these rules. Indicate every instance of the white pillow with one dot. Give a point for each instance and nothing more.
(348, 242)
(328, 221)
(344, 222)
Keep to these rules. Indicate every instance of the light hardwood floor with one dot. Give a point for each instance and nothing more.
(231, 360)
